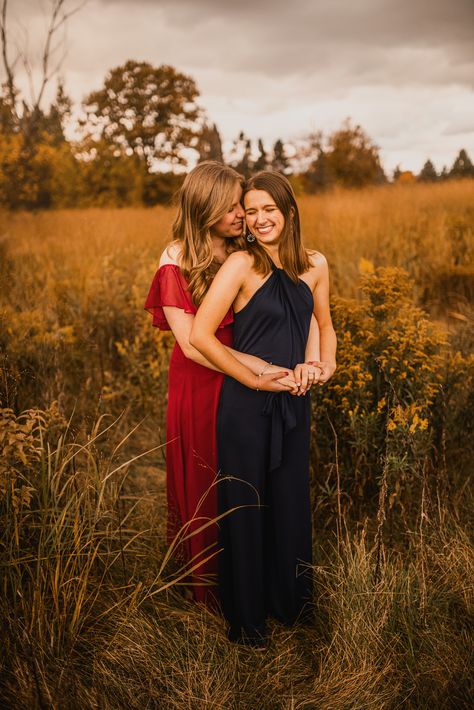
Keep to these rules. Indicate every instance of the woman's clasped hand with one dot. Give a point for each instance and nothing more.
(297, 381)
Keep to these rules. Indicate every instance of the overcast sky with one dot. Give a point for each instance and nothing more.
(403, 69)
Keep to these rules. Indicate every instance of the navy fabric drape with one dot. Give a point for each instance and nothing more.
(263, 455)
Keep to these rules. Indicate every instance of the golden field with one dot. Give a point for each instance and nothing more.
(92, 612)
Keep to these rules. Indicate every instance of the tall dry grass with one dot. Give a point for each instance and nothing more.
(426, 230)
(91, 609)
(91, 618)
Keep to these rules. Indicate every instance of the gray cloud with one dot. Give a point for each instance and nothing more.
(370, 22)
(460, 128)
(363, 42)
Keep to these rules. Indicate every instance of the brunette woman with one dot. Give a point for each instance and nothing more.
(263, 438)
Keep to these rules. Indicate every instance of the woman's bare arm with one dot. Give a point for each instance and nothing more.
(312, 344)
(181, 324)
(327, 335)
(222, 293)
(302, 370)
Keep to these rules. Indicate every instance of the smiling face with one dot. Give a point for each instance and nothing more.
(230, 225)
(264, 219)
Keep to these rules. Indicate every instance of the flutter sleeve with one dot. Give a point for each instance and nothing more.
(168, 288)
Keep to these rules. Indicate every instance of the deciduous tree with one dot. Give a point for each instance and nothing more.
(147, 111)
(33, 151)
(24, 113)
(353, 158)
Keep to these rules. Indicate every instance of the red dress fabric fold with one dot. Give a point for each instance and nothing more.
(191, 448)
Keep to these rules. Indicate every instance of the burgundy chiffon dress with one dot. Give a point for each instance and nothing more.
(191, 447)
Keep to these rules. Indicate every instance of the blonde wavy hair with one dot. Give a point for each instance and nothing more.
(205, 197)
(293, 256)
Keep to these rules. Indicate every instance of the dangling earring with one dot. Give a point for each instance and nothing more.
(250, 238)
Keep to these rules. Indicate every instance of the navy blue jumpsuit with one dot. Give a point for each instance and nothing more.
(263, 454)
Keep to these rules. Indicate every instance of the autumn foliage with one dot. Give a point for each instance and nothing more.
(140, 132)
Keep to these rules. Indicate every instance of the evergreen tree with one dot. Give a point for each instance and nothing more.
(245, 166)
(262, 161)
(428, 173)
(241, 156)
(396, 174)
(280, 159)
(210, 144)
(319, 175)
(462, 166)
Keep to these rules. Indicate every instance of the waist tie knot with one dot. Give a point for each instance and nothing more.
(280, 407)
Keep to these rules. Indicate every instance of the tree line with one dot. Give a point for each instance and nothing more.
(138, 134)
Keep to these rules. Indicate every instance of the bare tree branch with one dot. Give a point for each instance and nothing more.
(59, 18)
(55, 23)
(28, 69)
(10, 82)
(50, 64)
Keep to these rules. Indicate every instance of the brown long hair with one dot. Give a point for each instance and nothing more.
(293, 256)
(204, 198)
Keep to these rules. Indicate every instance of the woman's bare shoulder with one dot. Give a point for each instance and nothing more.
(236, 267)
(240, 258)
(317, 260)
(171, 254)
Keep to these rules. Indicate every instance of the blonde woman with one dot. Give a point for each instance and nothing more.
(207, 228)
